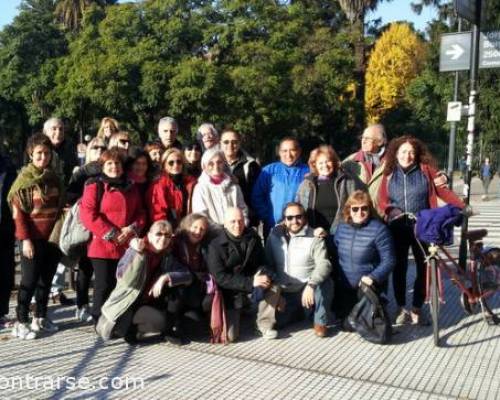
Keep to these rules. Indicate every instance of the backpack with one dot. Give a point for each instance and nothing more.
(369, 316)
(74, 236)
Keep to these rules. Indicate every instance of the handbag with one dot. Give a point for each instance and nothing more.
(369, 317)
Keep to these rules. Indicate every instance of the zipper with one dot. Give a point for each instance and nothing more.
(404, 192)
(352, 246)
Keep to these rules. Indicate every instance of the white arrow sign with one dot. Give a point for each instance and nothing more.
(455, 52)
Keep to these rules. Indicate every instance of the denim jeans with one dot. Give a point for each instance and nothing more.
(294, 311)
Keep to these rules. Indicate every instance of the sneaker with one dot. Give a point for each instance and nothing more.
(82, 314)
(43, 325)
(23, 331)
(419, 318)
(403, 317)
(269, 334)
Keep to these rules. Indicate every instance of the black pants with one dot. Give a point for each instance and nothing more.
(7, 268)
(83, 280)
(404, 238)
(36, 278)
(104, 282)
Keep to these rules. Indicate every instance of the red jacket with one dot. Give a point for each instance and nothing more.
(165, 199)
(443, 193)
(118, 208)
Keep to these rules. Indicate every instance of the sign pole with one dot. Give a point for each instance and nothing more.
(471, 125)
(453, 127)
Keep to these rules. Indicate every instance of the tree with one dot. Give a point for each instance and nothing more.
(398, 57)
(70, 12)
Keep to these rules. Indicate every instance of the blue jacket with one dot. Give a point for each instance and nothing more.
(365, 250)
(276, 186)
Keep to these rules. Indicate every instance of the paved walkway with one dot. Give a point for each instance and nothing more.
(297, 366)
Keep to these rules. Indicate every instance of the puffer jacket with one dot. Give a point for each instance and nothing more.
(297, 258)
(365, 250)
(345, 183)
(276, 186)
(118, 208)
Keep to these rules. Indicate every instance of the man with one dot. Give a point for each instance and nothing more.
(167, 131)
(236, 260)
(302, 266)
(207, 136)
(245, 168)
(64, 157)
(278, 182)
(120, 140)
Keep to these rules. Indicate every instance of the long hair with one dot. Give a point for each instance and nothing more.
(187, 221)
(422, 154)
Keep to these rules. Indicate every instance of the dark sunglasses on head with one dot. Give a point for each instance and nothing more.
(362, 208)
(298, 217)
(172, 162)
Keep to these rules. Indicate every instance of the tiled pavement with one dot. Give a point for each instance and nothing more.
(297, 366)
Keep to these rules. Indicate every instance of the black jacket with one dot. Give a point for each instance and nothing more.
(233, 271)
(7, 175)
(78, 179)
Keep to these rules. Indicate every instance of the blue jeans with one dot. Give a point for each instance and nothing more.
(294, 311)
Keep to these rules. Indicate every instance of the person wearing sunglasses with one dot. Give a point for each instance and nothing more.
(365, 250)
(192, 155)
(303, 268)
(242, 166)
(120, 140)
(144, 300)
(169, 196)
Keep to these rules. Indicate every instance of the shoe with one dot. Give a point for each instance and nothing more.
(175, 336)
(269, 334)
(43, 325)
(62, 299)
(23, 331)
(82, 314)
(419, 318)
(403, 317)
(320, 330)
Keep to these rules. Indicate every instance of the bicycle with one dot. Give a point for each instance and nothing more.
(480, 279)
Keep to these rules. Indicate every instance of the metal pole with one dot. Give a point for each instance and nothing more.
(471, 125)
(453, 127)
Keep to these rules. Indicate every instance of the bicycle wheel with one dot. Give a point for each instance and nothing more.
(434, 300)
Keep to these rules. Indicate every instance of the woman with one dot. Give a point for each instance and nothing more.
(91, 169)
(216, 191)
(169, 196)
(192, 155)
(365, 249)
(141, 303)
(108, 127)
(36, 199)
(120, 140)
(407, 187)
(188, 250)
(139, 168)
(116, 218)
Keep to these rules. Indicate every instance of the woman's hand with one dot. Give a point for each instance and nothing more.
(158, 286)
(320, 233)
(262, 281)
(28, 249)
(137, 244)
(124, 234)
(367, 280)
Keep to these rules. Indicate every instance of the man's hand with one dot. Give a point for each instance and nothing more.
(262, 281)
(158, 286)
(28, 249)
(367, 280)
(320, 233)
(308, 297)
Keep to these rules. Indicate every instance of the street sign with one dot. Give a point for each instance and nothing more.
(454, 111)
(456, 48)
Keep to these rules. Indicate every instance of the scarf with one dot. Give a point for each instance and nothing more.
(31, 178)
(121, 183)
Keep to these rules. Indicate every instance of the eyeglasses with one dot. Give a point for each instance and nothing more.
(298, 217)
(124, 141)
(167, 235)
(169, 130)
(172, 162)
(98, 148)
(356, 208)
(230, 142)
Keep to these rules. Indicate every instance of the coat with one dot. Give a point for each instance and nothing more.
(365, 250)
(118, 208)
(165, 199)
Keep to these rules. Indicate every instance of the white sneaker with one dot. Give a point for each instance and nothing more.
(23, 331)
(82, 314)
(269, 334)
(43, 325)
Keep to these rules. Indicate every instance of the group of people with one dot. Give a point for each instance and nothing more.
(201, 230)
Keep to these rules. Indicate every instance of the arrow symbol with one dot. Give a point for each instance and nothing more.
(455, 52)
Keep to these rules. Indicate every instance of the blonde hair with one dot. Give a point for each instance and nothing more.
(358, 196)
(115, 126)
(167, 153)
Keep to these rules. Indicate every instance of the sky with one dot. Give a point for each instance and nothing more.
(395, 10)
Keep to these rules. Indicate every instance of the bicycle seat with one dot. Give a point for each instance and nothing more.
(476, 234)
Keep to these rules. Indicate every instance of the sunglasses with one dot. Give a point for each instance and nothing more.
(124, 141)
(230, 142)
(362, 208)
(98, 148)
(172, 162)
(298, 217)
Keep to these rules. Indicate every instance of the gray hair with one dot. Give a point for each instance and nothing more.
(47, 124)
(380, 128)
(168, 120)
(210, 126)
(161, 224)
